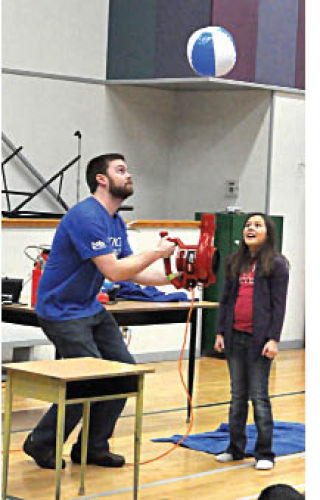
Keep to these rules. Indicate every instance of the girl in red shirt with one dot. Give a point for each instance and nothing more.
(251, 315)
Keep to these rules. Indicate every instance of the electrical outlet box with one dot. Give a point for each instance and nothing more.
(232, 189)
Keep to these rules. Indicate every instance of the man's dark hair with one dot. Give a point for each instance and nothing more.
(280, 492)
(99, 165)
(240, 261)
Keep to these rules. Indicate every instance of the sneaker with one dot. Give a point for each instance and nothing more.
(103, 458)
(264, 464)
(224, 457)
(44, 456)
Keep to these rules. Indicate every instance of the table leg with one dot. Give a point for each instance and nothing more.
(137, 435)
(84, 444)
(60, 436)
(192, 352)
(6, 435)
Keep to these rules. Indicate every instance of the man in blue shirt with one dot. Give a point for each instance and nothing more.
(90, 245)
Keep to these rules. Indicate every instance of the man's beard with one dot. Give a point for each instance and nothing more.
(121, 192)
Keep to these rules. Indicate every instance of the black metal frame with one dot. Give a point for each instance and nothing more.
(16, 212)
(4, 179)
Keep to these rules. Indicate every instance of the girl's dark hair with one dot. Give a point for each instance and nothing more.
(99, 165)
(241, 260)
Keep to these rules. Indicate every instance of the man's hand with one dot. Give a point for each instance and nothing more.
(130, 267)
(219, 343)
(270, 349)
(166, 247)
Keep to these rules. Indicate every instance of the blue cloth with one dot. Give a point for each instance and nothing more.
(132, 291)
(288, 438)
(71, 281)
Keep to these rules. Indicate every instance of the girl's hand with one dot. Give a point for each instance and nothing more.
(270, 349)
(219, 343)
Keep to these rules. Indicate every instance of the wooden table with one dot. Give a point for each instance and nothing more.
(57, 381)
(134, 313)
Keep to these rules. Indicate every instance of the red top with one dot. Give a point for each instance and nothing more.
(243, 309)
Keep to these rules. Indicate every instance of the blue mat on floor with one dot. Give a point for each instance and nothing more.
(288, 438)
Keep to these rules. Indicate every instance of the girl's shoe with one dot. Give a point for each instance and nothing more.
(264, 464)
(224, 457)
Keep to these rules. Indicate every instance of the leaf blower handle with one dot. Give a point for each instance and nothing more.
(167, 263)
(163, 234)
(172, 278)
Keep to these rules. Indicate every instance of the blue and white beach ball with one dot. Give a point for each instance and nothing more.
(211, 51)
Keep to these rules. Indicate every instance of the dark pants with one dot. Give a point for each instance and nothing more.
(249, 380)
(97, 336)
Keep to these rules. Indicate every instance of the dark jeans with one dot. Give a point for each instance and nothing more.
(249, 380)
(97, 336)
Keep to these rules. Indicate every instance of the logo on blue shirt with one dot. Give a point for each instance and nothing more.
(98, 245)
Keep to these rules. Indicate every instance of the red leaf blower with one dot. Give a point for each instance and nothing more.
(198, 264)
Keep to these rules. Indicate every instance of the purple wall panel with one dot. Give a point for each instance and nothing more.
(300, 54)
(240, 17)
(277, 41)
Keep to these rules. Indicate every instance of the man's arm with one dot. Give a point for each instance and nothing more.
(151, 277)
(130, 267)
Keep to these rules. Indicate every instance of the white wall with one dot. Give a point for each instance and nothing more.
(60, 37)
(287, 197)
(218, 136)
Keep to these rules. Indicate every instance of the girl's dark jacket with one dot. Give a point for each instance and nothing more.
(269, 305)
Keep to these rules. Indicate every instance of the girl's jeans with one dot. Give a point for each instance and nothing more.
(249, 380)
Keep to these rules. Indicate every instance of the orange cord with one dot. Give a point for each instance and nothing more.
(186, 391)
(129, 339)
(170, 450)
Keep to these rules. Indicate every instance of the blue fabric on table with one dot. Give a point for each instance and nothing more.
(132, 291)
(288, 438)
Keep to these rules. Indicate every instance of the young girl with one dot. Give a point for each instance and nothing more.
(251, 315)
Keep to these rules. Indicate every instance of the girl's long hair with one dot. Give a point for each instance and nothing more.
(241, 260)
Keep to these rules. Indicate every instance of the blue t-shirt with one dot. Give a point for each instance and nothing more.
(71, 281)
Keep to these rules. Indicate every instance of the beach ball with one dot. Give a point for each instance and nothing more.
(211, 51)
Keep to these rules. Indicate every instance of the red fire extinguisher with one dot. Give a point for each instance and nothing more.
(39, 264)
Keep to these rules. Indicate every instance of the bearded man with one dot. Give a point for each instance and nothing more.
(90, 245)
